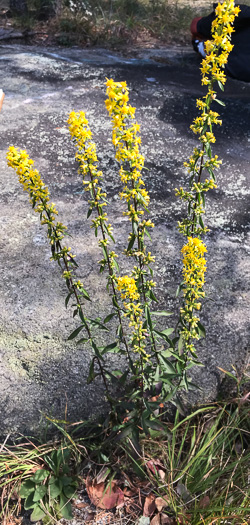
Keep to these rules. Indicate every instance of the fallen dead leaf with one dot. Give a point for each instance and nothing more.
(156, 520)
(204, 502)
(163, 519)
(162, 502)
(90, 517)
(155, 466)
(149, 505)
(166, 520)
(128, 493)
(81, 505)
(104, 495)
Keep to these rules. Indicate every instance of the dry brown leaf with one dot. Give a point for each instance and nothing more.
(162, 502)
(103, 495)
(81, 505)
(156, 520)
(90, 517)
(166, 520)
(204, 502)
(155, 466)
(149, 505)
(128, 493)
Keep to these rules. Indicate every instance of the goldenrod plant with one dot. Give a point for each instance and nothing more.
(157, 364)
(201, 167)
(204, 457)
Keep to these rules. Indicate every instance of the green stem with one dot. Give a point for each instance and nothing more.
(111, 273)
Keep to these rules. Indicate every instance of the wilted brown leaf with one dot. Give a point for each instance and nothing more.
(128, 493)
(204, 502)
(166, 520)
(162, 502)
(155, 466)
(90, 517)
(81, 505)
(156, 520)
(104, 495)
(149, 505)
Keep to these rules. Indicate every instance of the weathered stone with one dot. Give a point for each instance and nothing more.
(40, 370)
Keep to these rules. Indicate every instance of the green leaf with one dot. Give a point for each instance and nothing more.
(29, 502)
(69, 491)
(167, 353)
(148, 234)
(109, 317)
(123, 377)
(75, 333)
(152, 295)
(82, 340)
(147, 313)
(96, 350)
(85, 293)
(66, 480)
(89, 212)
(228, 373)
(178, 403)
(219, 102)
(178, 291)
(98, 323)
(162, 313)
(54, 489)
(52, 479)
(201, 222)
(40, 492)
(164, 336)
(68, 298)
(40, 475)
(155, 425)
(167, 365)
(115, 303)
(37, 514)
(202, 331)
(208, 149)
(131, 242)
(167, 331)
(27, 488)
(220, 85)
(65, 508)
(119, 332)
(109, 348)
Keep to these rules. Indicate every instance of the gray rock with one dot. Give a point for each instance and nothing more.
(40, 371)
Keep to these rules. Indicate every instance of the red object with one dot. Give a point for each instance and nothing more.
(193, 28)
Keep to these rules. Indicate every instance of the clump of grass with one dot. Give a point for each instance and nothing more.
(206, 464)
(198, 465)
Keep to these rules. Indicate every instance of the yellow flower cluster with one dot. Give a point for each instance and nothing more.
(133, 310)
(29, 178)
(194, 268)
(219, 47)
(127, 287)
(126, 142)
(39, 198)
(88, 166)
